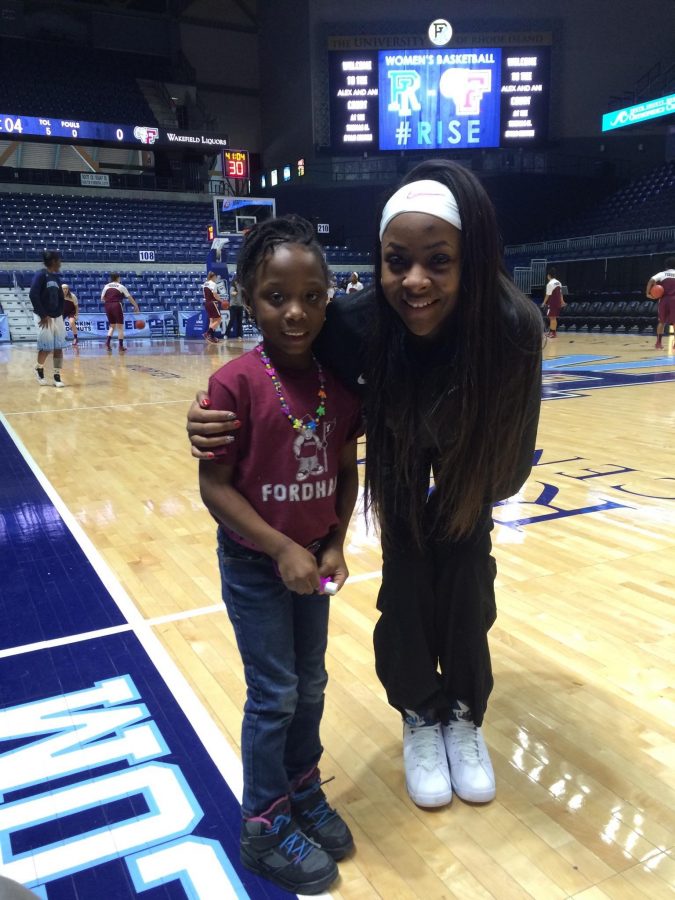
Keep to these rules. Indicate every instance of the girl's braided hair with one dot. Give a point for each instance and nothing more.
(265, 237)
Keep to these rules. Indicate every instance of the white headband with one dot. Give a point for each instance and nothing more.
(427, 196)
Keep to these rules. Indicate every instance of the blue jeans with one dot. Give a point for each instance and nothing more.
(282, 638)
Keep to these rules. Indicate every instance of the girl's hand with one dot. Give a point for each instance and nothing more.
(332, 565)
(207, 428)
(298, 569)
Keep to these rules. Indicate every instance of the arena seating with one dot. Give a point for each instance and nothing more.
(646, 202)
(636, 221)
(27, 82)
(100, 229)
(153, 288)
(605, 313)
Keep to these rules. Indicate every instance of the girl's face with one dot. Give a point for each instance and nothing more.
(421, 270)
(289, 297)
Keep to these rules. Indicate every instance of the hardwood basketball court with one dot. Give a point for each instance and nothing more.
(580, 724)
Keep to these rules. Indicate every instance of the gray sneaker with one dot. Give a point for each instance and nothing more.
(273, 846)
(318, 819)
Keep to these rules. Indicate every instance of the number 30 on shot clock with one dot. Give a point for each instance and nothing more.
(235, 164)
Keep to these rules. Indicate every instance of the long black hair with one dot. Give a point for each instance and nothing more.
(462, 402)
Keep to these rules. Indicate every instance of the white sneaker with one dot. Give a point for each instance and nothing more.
(427, 777)
(471, 772)
(57, 380)
(40, 375)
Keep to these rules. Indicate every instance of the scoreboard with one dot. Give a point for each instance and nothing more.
(15, 126)
(439, 99)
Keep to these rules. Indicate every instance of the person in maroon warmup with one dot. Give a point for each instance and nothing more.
(113, 296)
(666, 308)
(282, 495)
(213, 303)
(553, 302)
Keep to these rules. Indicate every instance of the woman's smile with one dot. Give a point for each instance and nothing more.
(421, 270)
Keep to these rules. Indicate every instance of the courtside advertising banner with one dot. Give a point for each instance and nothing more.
(439, 99)
(193, 324)
(154, 324)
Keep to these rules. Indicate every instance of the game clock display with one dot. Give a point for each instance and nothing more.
(62, 130)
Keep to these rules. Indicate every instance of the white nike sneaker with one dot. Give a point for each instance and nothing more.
(427, 776)
(471, 772)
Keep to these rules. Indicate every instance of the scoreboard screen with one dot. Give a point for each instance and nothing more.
(439, 99)
(354, 101)
(14, 126)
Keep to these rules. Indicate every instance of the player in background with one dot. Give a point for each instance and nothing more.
(213, 303)
(235, 327)
(113, 295)
(46, 295)
(666, 301)
(553, 302)
(70, 311)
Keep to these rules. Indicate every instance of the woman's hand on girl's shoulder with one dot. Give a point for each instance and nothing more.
(208, 428)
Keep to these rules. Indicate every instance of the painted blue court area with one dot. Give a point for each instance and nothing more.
(571, 376)
(107, 790)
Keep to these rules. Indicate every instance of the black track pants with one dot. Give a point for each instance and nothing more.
(437, 605)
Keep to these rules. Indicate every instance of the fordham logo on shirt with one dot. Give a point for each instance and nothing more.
(290, 493)
(309, 449)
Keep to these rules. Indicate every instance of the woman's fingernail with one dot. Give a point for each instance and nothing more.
(229, 440)
(206, 402)
(236, 423)
(210, 455)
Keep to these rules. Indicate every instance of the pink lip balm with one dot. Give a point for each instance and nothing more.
(328, 586)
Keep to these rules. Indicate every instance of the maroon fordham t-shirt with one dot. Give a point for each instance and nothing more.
(289, 479)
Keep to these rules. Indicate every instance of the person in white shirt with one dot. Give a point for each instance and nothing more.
(354, 283)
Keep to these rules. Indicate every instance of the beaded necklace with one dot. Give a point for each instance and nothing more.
(297, 424)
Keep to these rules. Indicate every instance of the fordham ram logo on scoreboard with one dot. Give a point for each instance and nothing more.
(85, 782)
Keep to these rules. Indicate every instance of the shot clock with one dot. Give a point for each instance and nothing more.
(235, 164)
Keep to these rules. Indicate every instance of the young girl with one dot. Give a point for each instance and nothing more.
(282, 495)
(449, 354)
(70, 310)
